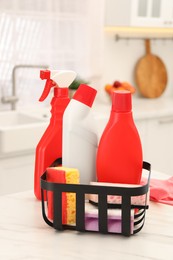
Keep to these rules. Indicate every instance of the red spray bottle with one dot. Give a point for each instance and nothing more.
(119, 157)
(49, 147)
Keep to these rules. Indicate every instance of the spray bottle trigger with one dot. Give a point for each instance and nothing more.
(45, 74)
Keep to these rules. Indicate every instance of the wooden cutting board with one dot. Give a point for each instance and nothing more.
(150, 74)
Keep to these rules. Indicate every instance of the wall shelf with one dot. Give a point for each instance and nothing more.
(140, 33)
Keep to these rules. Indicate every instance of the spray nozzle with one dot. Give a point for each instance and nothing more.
(45, 74)
(54, 78)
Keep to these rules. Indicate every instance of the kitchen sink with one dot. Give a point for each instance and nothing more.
(20, 132)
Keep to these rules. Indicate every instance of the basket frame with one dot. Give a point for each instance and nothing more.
(81, 189)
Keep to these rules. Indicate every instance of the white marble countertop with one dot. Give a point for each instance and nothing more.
(25, 235)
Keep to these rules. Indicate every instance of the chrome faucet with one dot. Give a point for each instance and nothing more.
(13, 98)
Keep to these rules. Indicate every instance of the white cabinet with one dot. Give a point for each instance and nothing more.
(154, 121)
(152, 13)
(167, 13)
(16, 174)
(139, 13)
(156, 135)
(159, 144)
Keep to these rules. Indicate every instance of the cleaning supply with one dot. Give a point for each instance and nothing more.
(119, 157)
(116, 199)
(49, 147)
(69, 176)
(79, 136)
(162, 191)
(114, 219)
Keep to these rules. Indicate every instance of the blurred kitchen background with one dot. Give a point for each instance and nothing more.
(101, 40)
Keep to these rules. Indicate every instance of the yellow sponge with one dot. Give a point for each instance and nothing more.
(64, 175)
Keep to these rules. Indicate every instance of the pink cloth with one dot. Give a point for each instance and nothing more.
(162, 191)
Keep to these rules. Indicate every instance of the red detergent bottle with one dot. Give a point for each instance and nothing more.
(119, 156)
(49, 147)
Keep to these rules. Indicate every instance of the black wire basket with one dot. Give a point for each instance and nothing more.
(81, 190)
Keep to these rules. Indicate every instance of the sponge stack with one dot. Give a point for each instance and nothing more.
(68, 176)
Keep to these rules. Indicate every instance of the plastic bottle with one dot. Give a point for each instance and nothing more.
(49, 147)
(119, 157)
(79, 139)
